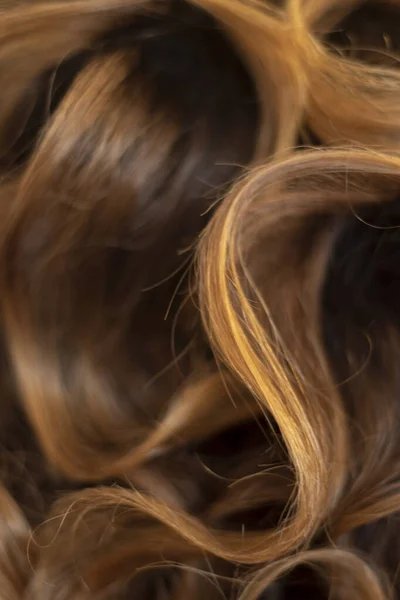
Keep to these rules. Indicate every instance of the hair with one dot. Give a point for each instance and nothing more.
(199, 324)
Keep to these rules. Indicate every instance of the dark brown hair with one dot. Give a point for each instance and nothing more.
(199, 328)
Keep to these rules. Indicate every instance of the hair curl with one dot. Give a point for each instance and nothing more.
(199, 324)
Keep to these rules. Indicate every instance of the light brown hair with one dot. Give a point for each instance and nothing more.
(199, 326)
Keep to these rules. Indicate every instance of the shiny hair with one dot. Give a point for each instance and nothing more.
(200, 337)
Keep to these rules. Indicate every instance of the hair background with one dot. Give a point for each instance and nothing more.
(199, 243)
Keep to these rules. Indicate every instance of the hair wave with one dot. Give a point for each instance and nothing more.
(199, 326)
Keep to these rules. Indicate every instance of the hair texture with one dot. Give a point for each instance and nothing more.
(199, 323)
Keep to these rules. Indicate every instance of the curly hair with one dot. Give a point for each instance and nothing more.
(199, 342)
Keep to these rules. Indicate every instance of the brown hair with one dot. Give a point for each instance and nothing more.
(198, 266)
